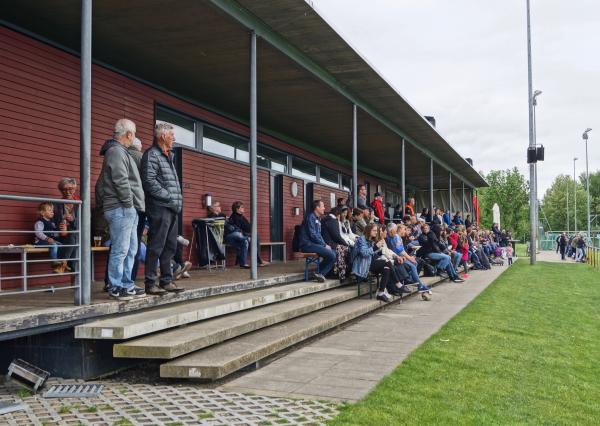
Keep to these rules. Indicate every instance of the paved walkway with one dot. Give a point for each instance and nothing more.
(551, 256)
(124, 404)
(346, 365)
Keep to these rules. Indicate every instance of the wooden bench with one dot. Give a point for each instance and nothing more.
(308, 259)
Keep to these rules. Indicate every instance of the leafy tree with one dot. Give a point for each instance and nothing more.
(554, 205)
(554, 202)
(510, 190)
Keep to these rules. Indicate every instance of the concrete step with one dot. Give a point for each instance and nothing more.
(220, 360)
(158, 319)
(174, 343)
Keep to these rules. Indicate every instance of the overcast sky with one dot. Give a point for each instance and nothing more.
(465, 62)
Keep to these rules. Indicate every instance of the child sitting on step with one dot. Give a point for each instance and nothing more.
(46, 233)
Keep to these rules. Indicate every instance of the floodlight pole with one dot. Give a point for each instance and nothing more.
(537, 209)
(587, 184)
(532, 181)
(575, 195)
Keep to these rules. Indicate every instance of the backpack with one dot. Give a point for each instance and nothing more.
(296, 238)
(429, 270)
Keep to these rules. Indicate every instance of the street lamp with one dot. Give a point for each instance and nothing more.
(575, 192)
(535, 170)
(531, 149)
(587, 179)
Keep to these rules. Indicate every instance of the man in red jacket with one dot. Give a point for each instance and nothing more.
(377, 205)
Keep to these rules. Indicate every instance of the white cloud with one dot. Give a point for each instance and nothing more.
(465, 62)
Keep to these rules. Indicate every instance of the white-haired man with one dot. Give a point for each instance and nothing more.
(120, 195)
(164, 201)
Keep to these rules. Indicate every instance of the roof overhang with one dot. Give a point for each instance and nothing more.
(308, 75)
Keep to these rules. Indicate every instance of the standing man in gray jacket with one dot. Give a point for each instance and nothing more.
(164, 201)
(120, 195)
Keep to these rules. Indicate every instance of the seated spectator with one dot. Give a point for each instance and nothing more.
(468, 220)
(358, 222)
(346, 227)
(463, 249)
(379, 264)
(214, 211)
(425, 215)
(400, 272)
(361, 200)
(448, 249)
(46, 234)
(398, 214)
(447, 218)
(409, 209)
(457, 219)
(377, 205)
(395, 242)
(342, 202)
(65, 218)
(238, 223)
(332, 235)
(437, 218)
(311, 240)
(430, 248)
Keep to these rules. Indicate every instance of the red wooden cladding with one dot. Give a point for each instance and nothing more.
(39, 136)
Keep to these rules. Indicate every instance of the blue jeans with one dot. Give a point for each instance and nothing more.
(414, 274)
(456, 256)
(442, 260)
(328, 256)
(52, 247)
(241, 244)
(122, 224)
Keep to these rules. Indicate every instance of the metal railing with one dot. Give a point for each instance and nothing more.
(24, 250)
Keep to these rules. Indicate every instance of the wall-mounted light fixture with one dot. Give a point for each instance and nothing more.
(207, 199)
(296, 211)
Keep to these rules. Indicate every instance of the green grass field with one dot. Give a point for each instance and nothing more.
(526, 351)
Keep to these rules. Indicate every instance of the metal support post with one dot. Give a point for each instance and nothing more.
(354, 157)
(450, 191)
(83, 294)
(253, 196)
(431, 187)
(462, 204)
(403, 175)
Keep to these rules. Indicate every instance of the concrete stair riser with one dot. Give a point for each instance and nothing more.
(286, 335)
(146, 322)
(175, 343)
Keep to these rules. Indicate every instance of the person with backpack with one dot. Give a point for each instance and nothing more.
(311, 240)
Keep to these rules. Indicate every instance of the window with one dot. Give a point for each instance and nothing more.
(184, 128)
(225, 144)
(346, 183)
(304, 169)
(271, 159)
(328, 177)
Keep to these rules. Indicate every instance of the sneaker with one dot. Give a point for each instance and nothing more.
(457, 280)
(183, 241)
(119, 293)
(136, 292)
(172, 288)
(423, 288)
(320, 278)
(185, 275)
(384, 297)
(177, 272)
(155, 291)
(405, 290)
(395, 291)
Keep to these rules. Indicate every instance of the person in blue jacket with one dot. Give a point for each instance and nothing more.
(311, 240)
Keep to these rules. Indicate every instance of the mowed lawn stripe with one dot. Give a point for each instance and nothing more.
(527, 350)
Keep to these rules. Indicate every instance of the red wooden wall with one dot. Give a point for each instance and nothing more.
(39, 137)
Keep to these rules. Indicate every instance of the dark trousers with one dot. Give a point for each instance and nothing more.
(68, 252)
(383, 268)
(162, 243)
(140, 230)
